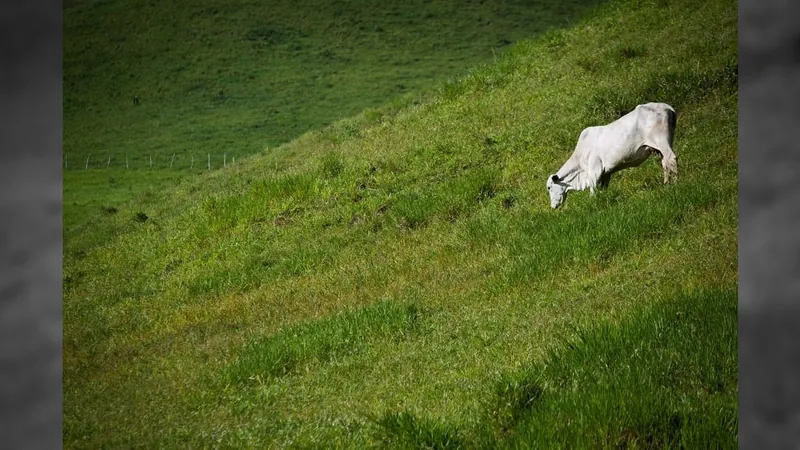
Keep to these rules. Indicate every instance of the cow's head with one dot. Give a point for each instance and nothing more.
(557, 189)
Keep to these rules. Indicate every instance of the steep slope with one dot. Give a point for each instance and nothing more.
(157, 91)
(405, 261)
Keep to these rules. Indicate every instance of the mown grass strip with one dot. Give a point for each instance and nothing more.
(275, 356)
(664, 378)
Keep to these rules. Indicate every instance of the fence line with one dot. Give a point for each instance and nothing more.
(149, 161)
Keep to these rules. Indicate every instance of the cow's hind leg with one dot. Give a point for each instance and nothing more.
(669, 161)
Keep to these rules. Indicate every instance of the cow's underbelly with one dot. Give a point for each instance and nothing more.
(634, 159)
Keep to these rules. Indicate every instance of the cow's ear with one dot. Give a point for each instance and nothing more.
(554, 178)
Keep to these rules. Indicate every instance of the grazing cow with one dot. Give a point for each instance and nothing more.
(626, 142)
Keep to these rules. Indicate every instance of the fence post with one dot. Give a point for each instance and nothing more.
(234, 160)
(126, 160)
(66, 164)
(209, 161)
(172, 160)
(108, 164)
(87, 162)
(224, 160)
(151, 160)
(192, 166)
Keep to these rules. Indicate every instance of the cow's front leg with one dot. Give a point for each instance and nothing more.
(593, 183)
(593, 174)
(605, 178)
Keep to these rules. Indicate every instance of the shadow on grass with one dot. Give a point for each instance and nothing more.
(665, 378)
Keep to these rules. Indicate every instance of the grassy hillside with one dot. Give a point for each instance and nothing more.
(149, 80)
(398, 279)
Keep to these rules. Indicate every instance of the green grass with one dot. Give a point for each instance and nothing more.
(90, 196)
(401, 280)
(178, 82)
(644, 383)
(245, 75)
(278, 355)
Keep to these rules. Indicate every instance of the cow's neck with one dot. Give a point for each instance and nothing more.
(572, 175)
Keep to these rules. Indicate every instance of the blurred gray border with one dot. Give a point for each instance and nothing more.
(769, 209)
(30, 234)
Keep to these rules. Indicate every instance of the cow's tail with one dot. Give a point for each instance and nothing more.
(669, 161)
(672, 119)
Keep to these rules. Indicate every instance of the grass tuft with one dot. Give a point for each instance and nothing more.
(407, 431)
(628, 52)
(276, 356)
(332, 166)
(517, 393)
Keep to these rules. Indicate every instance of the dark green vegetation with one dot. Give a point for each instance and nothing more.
(177, 81)
(398, 279)
(643, 384)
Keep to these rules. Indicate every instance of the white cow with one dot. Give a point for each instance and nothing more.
(626, 142)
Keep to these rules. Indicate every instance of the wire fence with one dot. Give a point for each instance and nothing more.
(175, 161)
